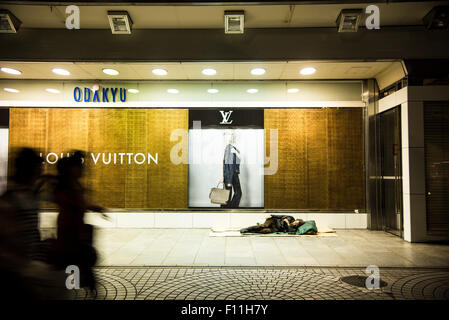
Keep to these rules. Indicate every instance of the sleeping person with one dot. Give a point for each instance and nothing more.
(276, 223)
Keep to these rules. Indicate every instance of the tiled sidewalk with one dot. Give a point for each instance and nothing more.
(259, 283)
(187, 264)
(194, 247)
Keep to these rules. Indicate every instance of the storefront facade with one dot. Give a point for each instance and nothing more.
(305, 159)
(345, 147)
(152, 159)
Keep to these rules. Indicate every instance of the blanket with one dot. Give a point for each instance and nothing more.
(223, 232)
(278, 234)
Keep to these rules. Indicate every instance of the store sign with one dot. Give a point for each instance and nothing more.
(226, 119)
(226, 116)
(108, 158)
(100, 95)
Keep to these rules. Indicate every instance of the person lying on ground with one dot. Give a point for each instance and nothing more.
(275, 223)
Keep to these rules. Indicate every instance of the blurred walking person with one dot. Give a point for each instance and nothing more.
(23, 255)
(74, 238)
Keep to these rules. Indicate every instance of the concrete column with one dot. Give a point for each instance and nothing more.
(413, 171)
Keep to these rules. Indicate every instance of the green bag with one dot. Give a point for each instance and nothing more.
(307, 227)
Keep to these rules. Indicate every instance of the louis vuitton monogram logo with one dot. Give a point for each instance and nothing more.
(226, 116)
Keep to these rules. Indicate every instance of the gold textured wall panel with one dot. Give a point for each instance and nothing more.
(30, 125)
(321, 159)
(138, 192)
(291, 165)
(173, 178)
(163, 185)
(346, 159)
(107, 134)
(316, 146)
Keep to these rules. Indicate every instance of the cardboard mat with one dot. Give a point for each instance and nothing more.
(236, 233)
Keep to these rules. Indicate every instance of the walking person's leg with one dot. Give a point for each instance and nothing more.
(237, 191)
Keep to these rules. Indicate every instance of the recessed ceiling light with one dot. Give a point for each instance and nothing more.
(133, 90)
(51, 90)
(212, 90)
(111, 72)
(252, 90)
(257, 71)
(173, 91)
(60, 71)
(160, 72)
(11, 90)
(307, 71)
(209, 72)
(10, 70)
(293, 90)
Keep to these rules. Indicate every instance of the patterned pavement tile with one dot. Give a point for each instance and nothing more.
(262, 283)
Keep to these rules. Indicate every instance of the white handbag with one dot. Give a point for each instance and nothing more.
(218, 195)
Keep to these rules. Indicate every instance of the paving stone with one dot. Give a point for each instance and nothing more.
(266, 283)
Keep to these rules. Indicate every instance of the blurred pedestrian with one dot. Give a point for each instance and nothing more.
(23, 198)
(74, 237)
(23, 255)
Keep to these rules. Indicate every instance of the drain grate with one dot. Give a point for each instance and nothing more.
(360, 281)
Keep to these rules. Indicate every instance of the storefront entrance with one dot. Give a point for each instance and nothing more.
(391, 171)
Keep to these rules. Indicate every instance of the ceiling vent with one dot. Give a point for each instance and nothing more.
(120, 22)
(9, 23)
(234, 22)
(437, 18)
(349, 19)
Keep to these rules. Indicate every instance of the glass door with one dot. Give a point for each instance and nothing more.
(391, 171)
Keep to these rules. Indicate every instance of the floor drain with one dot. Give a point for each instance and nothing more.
(360, 281)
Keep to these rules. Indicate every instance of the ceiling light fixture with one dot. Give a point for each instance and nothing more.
(308, 71)
(258, 71)
(60, 71)
(133, 90)
(252, 90)
(51, 90)
(234, 22)
(349, 20)
(11, 90)
(437, 18)
(173, 91)
(120, 22)
(111, 72)
(9, 23)
(160, 72)
(293, 90)
(212, 90)
(10, 70)
(209, 72)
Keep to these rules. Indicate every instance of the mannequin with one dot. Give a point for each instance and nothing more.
(231, 170)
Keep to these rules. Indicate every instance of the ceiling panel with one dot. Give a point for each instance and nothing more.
(281, 70)
(273, 70)
(193, 71)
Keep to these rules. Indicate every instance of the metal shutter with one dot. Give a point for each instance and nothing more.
(436, 143)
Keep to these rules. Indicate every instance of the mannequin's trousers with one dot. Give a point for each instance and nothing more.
(235, 193)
